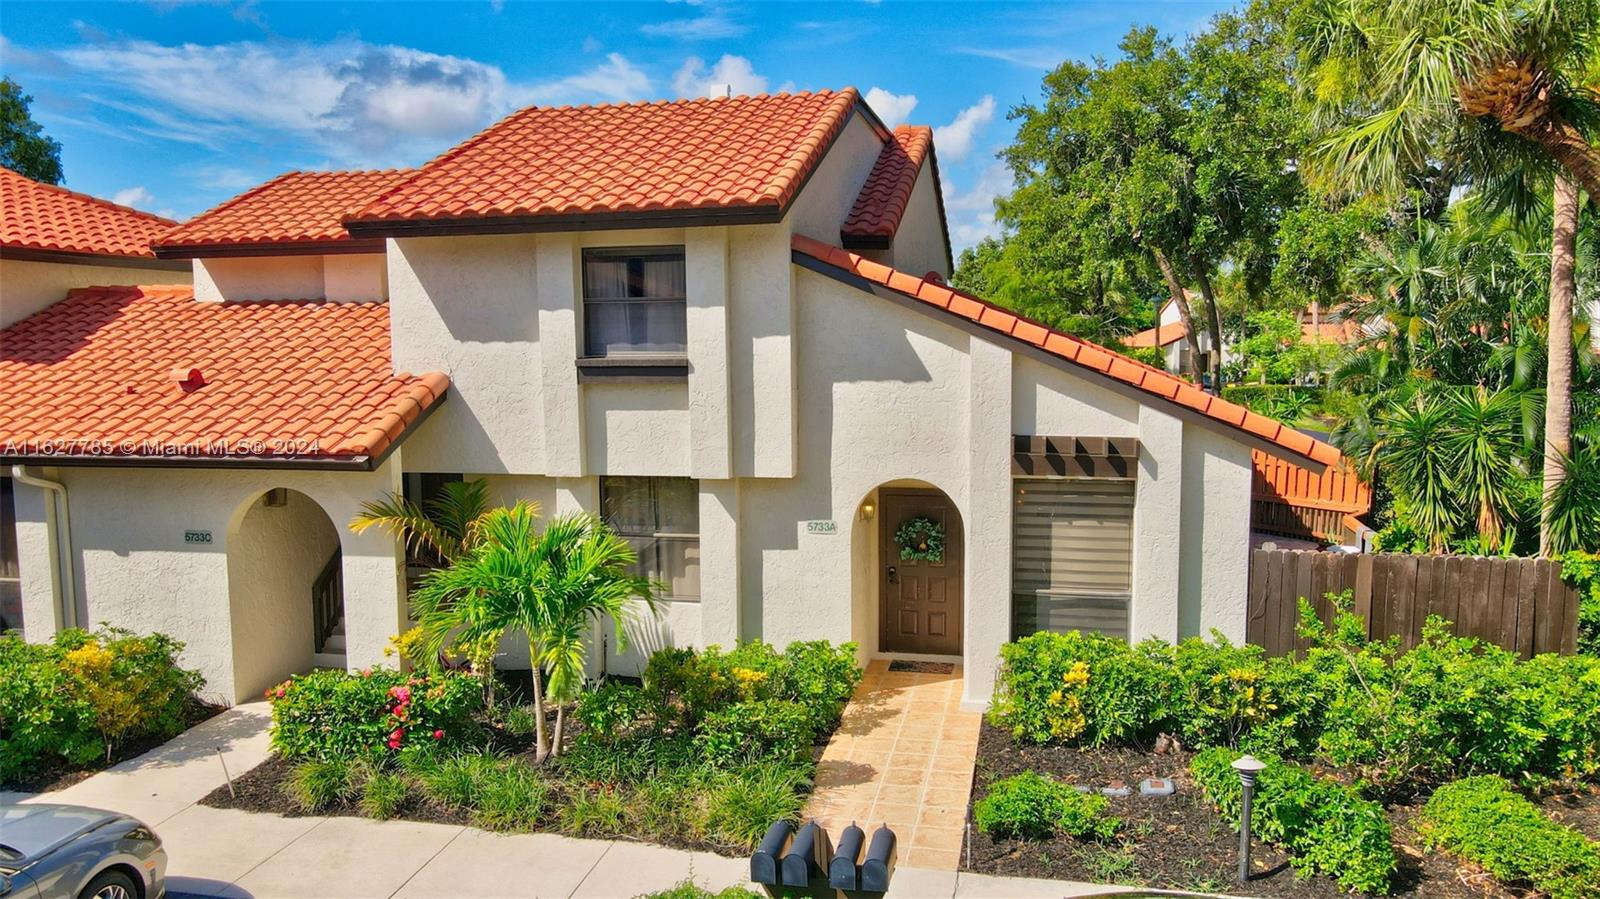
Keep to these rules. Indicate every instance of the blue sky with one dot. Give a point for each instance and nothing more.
(175, 106)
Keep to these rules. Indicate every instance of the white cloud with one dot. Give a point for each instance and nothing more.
(894, 109)
(732, 75)
(712, 23)
(136, 196)
(358, 100)
(955, 139)
(971, 212)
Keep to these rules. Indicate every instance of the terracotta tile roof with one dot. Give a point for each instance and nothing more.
(296, 207)
(883, 198)
(725, 153)
(47, 218)
(1161, 336)
(1073, 349)
(129, 371)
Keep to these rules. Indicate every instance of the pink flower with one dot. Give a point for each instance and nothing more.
(281, 692)
(394, 744)
(438, 735)
(401, 693)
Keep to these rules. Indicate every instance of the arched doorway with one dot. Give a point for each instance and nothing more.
(918, 595)
(285, 592)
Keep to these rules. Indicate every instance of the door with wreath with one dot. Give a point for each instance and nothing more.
(920, 556)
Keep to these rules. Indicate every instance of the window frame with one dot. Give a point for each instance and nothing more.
(590, 355)
(651, 567)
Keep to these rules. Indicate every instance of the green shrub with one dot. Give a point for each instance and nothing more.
(744, 803)
(510, 796)
(682, 686)
(688, 889)
(1483, 820)
(1082, 688)
(1582, 570)
(821, 677)
(1221, 691)
(383, 795)
(745, 731)
(520, 720)
(457, 782)
(73, 700)
(1033, 807)
(594, 811)
(329, 714)
(613, 710)
(1326, 827)
(322, 783)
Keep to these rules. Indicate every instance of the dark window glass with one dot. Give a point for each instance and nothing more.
(634, 301)
(660, 519)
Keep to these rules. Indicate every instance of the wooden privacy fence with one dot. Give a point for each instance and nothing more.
(1520, 604)
(1290, 501)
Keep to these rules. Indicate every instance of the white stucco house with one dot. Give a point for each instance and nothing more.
(721, 324)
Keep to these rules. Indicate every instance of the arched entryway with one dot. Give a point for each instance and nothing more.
(910, 599)
(285, 593)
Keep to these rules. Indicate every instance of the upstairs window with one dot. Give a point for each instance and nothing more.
(634, 301)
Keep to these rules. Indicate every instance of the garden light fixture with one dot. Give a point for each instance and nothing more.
(1248, 767)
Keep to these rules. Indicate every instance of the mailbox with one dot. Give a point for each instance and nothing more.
(879, 863)
(842, 871)
(764, 861)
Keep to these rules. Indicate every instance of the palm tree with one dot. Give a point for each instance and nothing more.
(444, 528)
(1486, 86)
(1558, 371)
(1483, 443)
(1411, 445)
(550, 586)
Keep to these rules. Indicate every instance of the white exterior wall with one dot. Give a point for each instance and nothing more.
(919, 245)
(340, 277)
(822, 206)
(134, 569)
(27, 286)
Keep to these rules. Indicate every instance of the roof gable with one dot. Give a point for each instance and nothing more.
(877, 212)
(550, 166)
(50, 219)
(1148, 380)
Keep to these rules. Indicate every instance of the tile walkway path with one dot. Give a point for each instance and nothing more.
(233, 854)
(902, 756)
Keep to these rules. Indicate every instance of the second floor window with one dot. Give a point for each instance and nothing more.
(634, 301)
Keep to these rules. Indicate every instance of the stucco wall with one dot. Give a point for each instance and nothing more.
(919, 245)
(274, 555)
(337, 277)
(135, 569)
(27, 286)
(821, 208)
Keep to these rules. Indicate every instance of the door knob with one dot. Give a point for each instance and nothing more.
(894, 575)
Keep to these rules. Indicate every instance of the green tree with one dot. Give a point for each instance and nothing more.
(1483, 86)
(24, 147)
(549, 585)
(443, 528)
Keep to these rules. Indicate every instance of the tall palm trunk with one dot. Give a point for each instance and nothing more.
(1558, 374)
(1213, 322)
(541, 749)
(1175, 288)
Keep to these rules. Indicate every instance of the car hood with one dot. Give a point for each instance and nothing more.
(36, 830)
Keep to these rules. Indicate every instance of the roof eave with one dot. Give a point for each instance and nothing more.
(68, 257)
(268, 248)
(584, 221)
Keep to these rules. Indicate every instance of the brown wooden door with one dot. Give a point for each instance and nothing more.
(921, 599)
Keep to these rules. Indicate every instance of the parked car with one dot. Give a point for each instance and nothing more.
(70, 852)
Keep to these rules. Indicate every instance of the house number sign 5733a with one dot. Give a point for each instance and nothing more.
(196, 536)
(822, 527)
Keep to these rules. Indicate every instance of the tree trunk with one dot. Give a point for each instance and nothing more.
(541, 749)
(1516, 94)
(1175, 288)
(1558, 374)
(1213, 322)
(555, 737)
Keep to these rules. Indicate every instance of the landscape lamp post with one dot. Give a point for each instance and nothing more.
(1248, 767)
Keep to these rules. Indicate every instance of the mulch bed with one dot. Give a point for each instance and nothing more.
(59, 777)
(1180, 842)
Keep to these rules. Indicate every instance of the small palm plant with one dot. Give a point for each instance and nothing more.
(443, 528)
(550, 585)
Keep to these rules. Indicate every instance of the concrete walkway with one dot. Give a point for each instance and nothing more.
(236, 854)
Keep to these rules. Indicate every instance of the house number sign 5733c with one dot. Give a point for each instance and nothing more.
(196, 536)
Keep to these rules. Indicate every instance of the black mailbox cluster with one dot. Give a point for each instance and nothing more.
(790, 858)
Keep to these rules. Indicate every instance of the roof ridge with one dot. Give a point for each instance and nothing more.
(817, 139)
(228, 203)
(91, 198)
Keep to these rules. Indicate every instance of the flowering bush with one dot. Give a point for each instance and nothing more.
(338, 714)
(74, 699)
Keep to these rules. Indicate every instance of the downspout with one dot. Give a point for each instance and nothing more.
(62, 575)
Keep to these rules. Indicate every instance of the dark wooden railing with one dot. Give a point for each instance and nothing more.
(327, 599)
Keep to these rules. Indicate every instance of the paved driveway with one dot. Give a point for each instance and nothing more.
(236, 854)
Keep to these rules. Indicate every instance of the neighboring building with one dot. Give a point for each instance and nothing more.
(52, 240)
(1170, 334)
(646, 311)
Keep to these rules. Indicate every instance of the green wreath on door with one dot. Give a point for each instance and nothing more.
(920, 539)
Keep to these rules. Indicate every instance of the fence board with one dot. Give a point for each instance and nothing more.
(1520, 604)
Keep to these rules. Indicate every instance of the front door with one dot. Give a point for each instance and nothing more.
(921, 597)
